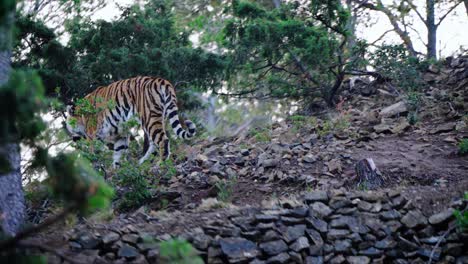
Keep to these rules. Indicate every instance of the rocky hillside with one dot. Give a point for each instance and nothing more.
(290, 193)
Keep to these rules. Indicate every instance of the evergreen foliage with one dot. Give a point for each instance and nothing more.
(288, 52)
(143, 40)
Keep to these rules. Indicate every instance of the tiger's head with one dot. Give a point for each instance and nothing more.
(75, 125)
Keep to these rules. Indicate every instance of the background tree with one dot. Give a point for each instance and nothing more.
(11, 191)
(143, 40)
(55, 13)
(70, 178)
(399, 14)
(293, 50)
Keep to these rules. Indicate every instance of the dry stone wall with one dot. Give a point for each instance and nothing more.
(330, 227)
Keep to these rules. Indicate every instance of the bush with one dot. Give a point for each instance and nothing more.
(225, 189)
(463, 146)
(394, 62)
(133, 178)
(178, 251)
(462, 216)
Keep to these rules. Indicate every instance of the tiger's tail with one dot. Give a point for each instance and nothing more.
(172, 115)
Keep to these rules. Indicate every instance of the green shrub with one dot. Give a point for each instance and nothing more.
(167, 169)
(463, 146)
(97, 153)
(462, 216)
(394, 62)
(300, 121)
(134, 179)
(225, 189)
(261, 134)
(178, 251)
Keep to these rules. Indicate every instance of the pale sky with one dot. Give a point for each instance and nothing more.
(451, 34)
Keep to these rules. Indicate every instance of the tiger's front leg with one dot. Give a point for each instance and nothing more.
(120, 148)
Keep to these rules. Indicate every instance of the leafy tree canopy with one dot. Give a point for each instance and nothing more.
(142, 41)
(296, 51)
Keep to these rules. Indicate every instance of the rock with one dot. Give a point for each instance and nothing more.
(266, 218)
(455, 249)
(334, 234)
(245, 152)
(441, 217)
(364, 206)
(130, 238)
(299, 212)
(334, 166)
(274, 247)
(315, 237)
(386, 243)
(316, 196)
(382, 128)
(401, 127)
(269, 163)
(127, 251)
(318, 224)
(413, 218)
(309, 158)
(337, 260)
(344, 221)
(291, 220)
(295, 257)
(214, 252)
(390, 215)
(300, 244)
(433, 68)
(257, 261)
(314, 260)
(281, 258)
(358, 260)
(201, 241)
(371, 252)
(110, 238)
(424, 252)
(394, 110)
(270, 235)
(446, 127)
(75, 246)
(341, 135)
(88, 241)
(152, 255)
(294, 232)
(238, 248)
(321, 209)
(342, 246)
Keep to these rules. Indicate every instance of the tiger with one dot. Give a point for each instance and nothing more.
(149, 100)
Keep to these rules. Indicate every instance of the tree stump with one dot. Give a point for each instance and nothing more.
(368, 175)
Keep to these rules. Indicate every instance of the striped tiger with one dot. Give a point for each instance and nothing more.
(150, 100)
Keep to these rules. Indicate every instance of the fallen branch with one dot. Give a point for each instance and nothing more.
(13, 241)
(438, 243)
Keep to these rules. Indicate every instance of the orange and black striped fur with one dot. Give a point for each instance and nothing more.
(150, 100)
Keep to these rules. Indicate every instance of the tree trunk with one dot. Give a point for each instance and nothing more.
(431, 30)
(368, 175)
(466, 6)
(351, 25)
(11, 190)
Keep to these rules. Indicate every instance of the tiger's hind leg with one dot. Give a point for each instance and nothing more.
(120, 148)
(150, 151)
(157, 137)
